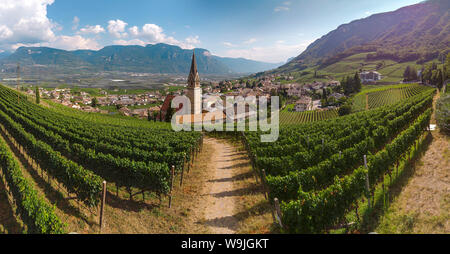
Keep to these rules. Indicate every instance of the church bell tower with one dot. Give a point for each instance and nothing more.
(194, 92)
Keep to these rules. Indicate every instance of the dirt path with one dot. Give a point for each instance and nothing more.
(424, 203)
(229, 200)
(220, 202)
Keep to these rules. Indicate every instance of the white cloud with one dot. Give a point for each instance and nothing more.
(250, 41)
(117, 28)
(152, 33)
(283, 7)
(92, 30)
(193, 40)
(229, 44)
(25, 21)
(278, 52)
(64, 42)
(74, 43)
(5, 32)
(75, 23)
(130, 42)
(134, 31)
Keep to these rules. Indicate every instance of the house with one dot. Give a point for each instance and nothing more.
(303, 104)
(337, 96)
(125, 111)
(141, 113)
(369, 76)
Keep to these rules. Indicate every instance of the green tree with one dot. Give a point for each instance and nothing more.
(447, 67)
(94, 102)
(169, 114)
(38, 96)
(357, 85)
(345, 110)
(410, 74)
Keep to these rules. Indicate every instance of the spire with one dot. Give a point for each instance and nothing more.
(194, 79)
(193, 64)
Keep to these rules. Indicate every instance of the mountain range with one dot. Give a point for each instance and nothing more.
(157, 58)
(418, 32)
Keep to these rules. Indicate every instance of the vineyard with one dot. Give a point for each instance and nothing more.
(377, 97)
(79, 153)
(320, 171)
(306, 117)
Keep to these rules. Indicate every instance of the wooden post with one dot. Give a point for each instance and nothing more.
(102, 207)
(181, 179)
(266, 190)
(171, 186)
(367, 181)
(396, 169)
(278, 211)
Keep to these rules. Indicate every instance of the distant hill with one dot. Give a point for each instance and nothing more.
(413, 33)
(157, 58)
(242, 65)
(4, 54)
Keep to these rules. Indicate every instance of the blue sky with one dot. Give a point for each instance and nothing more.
(265, 30)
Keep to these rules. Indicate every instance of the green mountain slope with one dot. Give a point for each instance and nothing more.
(158, 58)
(413, 33)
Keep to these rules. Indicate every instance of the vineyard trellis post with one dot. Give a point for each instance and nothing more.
(278, 211)
(171, 186)
(102, 207)
(181, 178)
(266, 190)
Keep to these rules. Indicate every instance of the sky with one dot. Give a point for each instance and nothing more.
(263, 30)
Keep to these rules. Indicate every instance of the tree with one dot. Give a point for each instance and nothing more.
(447, 67)
(169, 114)
(357, 83)
(94, 102)
(149, 115)
(345, 110)
(38, 96)
(410, 74)
(347, 85)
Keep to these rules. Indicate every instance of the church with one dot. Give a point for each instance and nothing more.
(194, 93)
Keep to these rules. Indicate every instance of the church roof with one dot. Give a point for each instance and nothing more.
(194, 78)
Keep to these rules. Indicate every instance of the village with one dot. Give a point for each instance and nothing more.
(152, 105)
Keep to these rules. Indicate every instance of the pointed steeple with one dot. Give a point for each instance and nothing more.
(193, 79)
